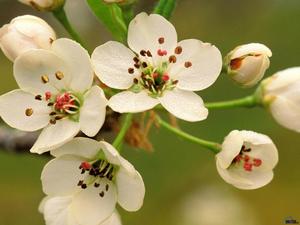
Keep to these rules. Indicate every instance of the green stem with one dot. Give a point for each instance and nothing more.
(125, 126)
(213, 146)
(61, 16)
(248, 102)
(165, 8)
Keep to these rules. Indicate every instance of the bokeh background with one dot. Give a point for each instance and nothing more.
(183, 187)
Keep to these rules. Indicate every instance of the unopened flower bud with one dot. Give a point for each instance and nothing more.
(246, 64)
(44, 5)
(280, 94)
(24, 33)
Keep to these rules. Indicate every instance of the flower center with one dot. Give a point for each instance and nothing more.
(153, 76)
(245, 160)
(97, 171)
(64, 104)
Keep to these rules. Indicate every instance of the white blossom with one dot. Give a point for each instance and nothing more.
(281, 94)
(55, 94)
(246, 64)
(44, 5)
(24, 33)
(96, 177)
(247, 159)
(157, 69)
(58, 211)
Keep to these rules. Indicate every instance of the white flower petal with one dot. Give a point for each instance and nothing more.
(55, 135)
(93, 111)
(111, 154)
(33, 64)
(89, 208)
(145, 30)
(42, 204)
(268, 153)
(206, 65)
(131, 189)
(255, 138)
(231, 147)
(78, 62)
(114, 219)
(111, 62)
(252, 48)
(282, 80)
(130, 102)
(185, 105)
(56, 211)
(60, 176)
(13, 106)
(245, 180)
(286, 113)
(79, 146)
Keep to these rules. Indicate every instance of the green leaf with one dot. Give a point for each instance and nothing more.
(111, 16)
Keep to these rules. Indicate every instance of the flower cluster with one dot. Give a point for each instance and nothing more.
(57, 95)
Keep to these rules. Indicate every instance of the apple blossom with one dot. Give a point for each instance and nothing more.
(57, 210)
(44, 5)
(56, 94)
(247, 159)
(280, 93)
(246, 64)
(24, 33)
(96, 177)
(157, 69)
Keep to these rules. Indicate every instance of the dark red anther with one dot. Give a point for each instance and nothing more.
(248, 166)
(48, 95)
(85, 165)
(161, 52)
(257, 162)
(165, 77)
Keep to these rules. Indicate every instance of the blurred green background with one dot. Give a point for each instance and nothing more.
(183, 187)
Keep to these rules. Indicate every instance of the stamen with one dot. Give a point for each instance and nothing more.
(135, 80)
(38, 97)
(136, 59)
(144, 64)
(29, 112)
(187, 64)
(101, 194)
(96, 185)
(85, 165)
(257, 162)
(178, 50)
(45, 79)
(48, 95)
(172, 59)
(50, 104)
(83, 186)
(161, 52)
(155, 75)
(80, 183)
(149, 54)
(165, 77)
(248, 166)
(52, 121)
(130, 70)
(143, 53)
(59, 75)
(161, 40)
(59, 117)
(51, 40)
(137, 66)
(106, 187)
(52, 113)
